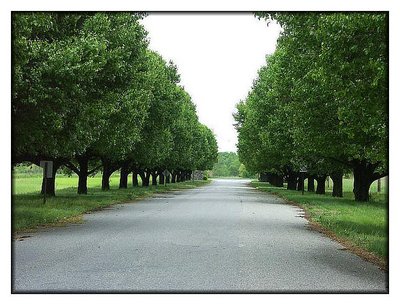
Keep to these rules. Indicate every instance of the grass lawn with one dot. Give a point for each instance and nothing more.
(362, 224)
(29, 211)
(32, 183)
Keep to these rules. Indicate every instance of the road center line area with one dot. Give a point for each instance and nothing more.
(224, 237)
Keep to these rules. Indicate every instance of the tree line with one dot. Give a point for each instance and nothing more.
(228, 165)
(89, 95)
(320, 103)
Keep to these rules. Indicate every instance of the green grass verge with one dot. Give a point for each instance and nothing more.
(29, 212)
(363, 224)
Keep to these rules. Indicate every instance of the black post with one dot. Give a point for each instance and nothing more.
(45, 182)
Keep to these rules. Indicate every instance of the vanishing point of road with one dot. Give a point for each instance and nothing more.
(223, 237)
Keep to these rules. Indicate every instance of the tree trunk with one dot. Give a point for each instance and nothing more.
(178, 176)
(145, 176)
(162, 181)
(107, 172)
(337, 178)
(154, 178)
(168, 179)
(263, 177)
(291, 181)
(51, 182)
(123, 178)
(173, 177)
(83, 174)
(311, 185)
(135, 181)
(320, 184)
(278, 180)
(363, 178)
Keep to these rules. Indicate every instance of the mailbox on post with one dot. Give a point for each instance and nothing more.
(47, 168)
(303, 171)
(47, 173)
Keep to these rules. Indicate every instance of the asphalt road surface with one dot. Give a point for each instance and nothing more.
(224, 237)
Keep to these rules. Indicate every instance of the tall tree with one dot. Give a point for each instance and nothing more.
(343, 94)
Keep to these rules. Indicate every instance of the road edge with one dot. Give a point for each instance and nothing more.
(78, 219)
(347, 244)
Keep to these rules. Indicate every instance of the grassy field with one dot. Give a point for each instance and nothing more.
(29, 212)
(363, 225)
(348, 186)
(25, 183)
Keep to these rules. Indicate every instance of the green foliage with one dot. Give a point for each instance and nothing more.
(244, 173)
(71, 77)
(86, 88)
(344, 79)
(321, 101)
(227, 165)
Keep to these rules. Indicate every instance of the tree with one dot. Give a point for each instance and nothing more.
(88, 94)
(47, 112)
(73, 73)
(343, 95)
(148, 157)
(208, 153)
(265, 142)
(183, 127)
(320, 102)
(227, 166)
(122, 103)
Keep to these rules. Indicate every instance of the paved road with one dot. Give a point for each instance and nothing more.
(225, 237)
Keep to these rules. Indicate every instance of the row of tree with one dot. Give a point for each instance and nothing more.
(320, 103)
(90, 95)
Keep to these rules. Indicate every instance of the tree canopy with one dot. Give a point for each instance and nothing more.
(321, 101)
(89, 94)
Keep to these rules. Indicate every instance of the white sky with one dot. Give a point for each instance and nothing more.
(218, 56)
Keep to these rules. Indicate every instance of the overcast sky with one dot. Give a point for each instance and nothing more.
(218, 56)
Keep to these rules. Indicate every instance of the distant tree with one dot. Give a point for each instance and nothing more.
(148, 156)
(227, 165)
